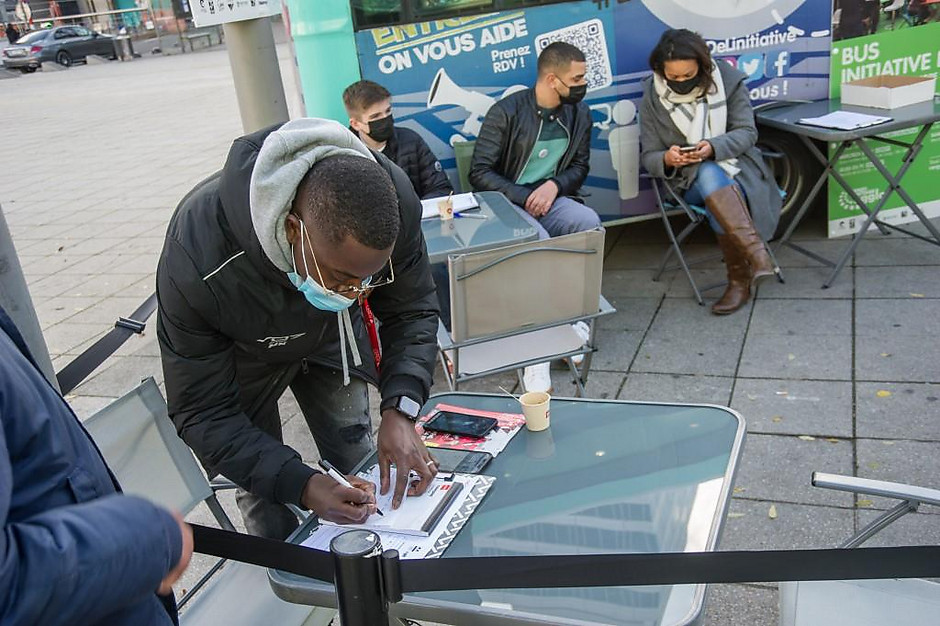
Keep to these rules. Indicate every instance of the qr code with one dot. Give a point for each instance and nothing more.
(589, 38)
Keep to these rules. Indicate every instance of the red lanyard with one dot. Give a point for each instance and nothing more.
(373, 332)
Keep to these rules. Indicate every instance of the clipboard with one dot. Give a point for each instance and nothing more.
(418, 515)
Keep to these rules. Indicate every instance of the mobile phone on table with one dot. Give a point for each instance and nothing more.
(461, 424)
(687, 149)
(462, 461)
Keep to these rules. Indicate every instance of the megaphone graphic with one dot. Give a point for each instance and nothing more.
(445, 91)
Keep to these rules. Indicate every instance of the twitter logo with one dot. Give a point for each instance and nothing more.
(752, 65)
(777, 64)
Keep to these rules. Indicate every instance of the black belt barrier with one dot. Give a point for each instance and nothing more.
(597, 570)
(89, 360)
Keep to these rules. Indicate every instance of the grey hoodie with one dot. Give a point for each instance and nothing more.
(285, 158)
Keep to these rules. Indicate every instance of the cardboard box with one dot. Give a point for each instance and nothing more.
(889, 92)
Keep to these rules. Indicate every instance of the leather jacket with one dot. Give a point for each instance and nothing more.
(509, 132)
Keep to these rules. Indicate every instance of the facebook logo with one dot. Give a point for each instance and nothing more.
(751, 64)
(777, 64)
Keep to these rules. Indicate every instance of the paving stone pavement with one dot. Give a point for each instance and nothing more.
(842, 380)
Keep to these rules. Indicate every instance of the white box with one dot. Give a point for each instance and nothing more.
(889, 92)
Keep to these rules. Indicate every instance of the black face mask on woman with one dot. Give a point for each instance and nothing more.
(683, 87)
(382, 129)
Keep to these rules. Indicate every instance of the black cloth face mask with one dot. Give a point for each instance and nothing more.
(682, 87)
(575, 95)
(382, 129)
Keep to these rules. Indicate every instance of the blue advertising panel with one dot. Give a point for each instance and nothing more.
(445, 74)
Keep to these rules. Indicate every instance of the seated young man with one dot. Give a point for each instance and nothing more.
(535, 145)
(369, 106)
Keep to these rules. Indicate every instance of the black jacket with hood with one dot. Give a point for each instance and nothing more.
(509, 133)
(226, 306)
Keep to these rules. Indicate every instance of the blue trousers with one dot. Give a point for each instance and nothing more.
(709, 179)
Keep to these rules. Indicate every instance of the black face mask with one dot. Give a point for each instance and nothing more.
(575, 95)
(683, 87)
(382, 129)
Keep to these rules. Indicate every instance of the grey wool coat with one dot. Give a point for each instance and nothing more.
(658, 133)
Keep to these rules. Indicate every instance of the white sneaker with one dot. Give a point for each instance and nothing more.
(584, 331)
(538, 377)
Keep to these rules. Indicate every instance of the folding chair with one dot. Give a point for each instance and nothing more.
(514, 306)
(463, 155)
(140, 445)
(669, 202)
(864, 602)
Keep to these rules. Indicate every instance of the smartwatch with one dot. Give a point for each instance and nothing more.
(404, 405)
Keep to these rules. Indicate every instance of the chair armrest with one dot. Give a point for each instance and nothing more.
(869, 487)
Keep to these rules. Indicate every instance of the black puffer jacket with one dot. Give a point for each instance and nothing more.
(225, 311)
(509, 132)
(410, 152)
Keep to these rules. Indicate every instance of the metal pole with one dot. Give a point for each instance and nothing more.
(14, 297)
(360, 597)
(257, 75)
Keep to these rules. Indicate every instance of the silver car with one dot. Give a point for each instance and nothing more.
(63, 45)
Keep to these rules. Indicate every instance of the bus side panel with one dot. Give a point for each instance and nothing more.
(445, 74)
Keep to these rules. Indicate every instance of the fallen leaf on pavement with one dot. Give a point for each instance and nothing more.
(740, 489)
(807, 438)
(864, 503)
(772, 513)
(735, 515)
(776, 419)
(883, 393)
(790, 357)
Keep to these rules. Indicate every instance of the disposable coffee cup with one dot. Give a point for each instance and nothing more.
(535, 407)
(446, 208)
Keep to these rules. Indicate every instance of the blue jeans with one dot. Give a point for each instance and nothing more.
(709, 179)
(565, 217)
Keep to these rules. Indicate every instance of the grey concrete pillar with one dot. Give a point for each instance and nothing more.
(258, 84)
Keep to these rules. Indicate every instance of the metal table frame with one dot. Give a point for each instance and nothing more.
(846, 139)
(293, 588)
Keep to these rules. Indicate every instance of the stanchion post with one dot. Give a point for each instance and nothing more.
(360, 593)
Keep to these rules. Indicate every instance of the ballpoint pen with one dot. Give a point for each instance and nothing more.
(476, 217)
(331, 471)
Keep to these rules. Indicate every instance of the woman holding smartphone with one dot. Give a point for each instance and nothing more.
(697, 130)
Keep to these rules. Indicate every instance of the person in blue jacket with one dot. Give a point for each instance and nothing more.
(74, 550)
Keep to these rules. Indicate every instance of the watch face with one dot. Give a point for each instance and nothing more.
(409, 407)
(723, 18)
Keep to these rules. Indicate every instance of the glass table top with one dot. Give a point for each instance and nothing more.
(607, 477)
(502, 226)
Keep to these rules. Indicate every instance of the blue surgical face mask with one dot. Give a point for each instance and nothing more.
(315, 293)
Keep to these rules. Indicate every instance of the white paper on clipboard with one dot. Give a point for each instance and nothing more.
(462, 202)
(475, 487)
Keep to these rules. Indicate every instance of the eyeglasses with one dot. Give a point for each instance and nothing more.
(366, 285)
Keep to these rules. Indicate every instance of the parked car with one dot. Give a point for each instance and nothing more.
(63, 45)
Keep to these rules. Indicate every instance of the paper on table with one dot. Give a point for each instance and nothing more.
(413, 547)
(508, 424)
(845, 120)
(417, 515)
(462, 202)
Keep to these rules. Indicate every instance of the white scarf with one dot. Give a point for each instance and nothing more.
(698, 117)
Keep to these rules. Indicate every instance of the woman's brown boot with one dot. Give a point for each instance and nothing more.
(738, 291)
(729, 209)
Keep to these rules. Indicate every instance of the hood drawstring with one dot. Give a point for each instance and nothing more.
(346, 334)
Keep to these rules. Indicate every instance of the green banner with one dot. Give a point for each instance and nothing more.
(900, 47)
